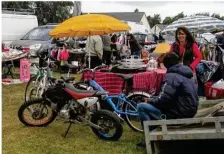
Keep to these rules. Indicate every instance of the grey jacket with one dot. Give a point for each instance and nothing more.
(106, 42)
(94, 45)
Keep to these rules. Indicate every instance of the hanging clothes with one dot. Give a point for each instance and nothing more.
(206, 69)
(63, 56)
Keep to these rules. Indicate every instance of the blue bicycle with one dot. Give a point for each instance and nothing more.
(124, 104)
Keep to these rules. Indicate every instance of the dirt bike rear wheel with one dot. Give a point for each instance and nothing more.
(108, 121)
(39, 111)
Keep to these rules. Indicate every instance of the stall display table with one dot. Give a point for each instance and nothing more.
(149, 81)
(159, 79)
(77, 57)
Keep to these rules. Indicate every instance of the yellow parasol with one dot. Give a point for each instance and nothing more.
(162, 48)
(88, 25)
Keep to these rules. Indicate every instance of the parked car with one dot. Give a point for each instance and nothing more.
(37, 39)
(148, 41)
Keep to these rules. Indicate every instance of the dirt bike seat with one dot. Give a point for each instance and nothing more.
(72, 88)
(79, 94)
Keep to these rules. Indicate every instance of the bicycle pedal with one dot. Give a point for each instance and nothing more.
(119, 115)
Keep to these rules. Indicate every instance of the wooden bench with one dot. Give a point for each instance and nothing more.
(182, 129)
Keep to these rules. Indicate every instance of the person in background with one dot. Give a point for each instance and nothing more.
(178, 97)
(62, 57)
(115, 47)
(220, 40)
(187, 49)
(106, 39)
(134, 45)
(161, 39)
(156, 38)
(160, 61)
(63, 54)
(94, 45)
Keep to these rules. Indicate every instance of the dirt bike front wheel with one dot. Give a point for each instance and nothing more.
(36, 112)
(111, 125)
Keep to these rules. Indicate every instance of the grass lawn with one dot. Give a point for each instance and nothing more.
(19, 139)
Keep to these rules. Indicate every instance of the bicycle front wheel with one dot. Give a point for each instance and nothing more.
(134, 121)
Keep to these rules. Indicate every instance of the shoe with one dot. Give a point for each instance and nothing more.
(141, 144)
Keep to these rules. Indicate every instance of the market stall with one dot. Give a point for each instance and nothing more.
(148, 81)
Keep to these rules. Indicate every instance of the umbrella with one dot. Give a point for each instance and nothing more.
(162, 48)
(88, 25)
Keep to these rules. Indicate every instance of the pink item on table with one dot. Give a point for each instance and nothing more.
(24, 70)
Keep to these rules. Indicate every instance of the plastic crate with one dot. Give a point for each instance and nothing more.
(213, 93)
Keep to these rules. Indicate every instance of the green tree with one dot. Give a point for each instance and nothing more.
(136, 10)
(46, 11)
(216, 15)
(17, 5)
(156, 19)
(178, 16)
(203, 14)
(53, 12)
(167, 20)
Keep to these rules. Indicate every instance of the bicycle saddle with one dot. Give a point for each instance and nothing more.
(10, 65)
(125, 76)
(69, 79)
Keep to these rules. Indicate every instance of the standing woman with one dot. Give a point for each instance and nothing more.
(186, 48)
(134, 45)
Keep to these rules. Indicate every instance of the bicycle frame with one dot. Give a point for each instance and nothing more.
(44, 74)
(121, 99)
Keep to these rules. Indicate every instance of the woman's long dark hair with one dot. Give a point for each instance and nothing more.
(189, 37)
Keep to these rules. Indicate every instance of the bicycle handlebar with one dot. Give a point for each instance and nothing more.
(92, 70)
(48, 63)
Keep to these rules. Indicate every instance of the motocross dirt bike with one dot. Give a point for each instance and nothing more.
(76, 106)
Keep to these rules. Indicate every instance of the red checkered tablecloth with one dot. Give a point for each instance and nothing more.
(160, 75)
(149, 81)
(145, 81)
(109, 81)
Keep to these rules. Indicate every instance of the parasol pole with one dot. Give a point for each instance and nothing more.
(88, 48)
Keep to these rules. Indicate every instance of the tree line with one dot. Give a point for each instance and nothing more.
(156, 19)
(58, 11)
(46, 11)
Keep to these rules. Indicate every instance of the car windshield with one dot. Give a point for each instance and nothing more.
(140, 36)
(38, 34)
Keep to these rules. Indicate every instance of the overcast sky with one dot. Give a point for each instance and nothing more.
(164, 8)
